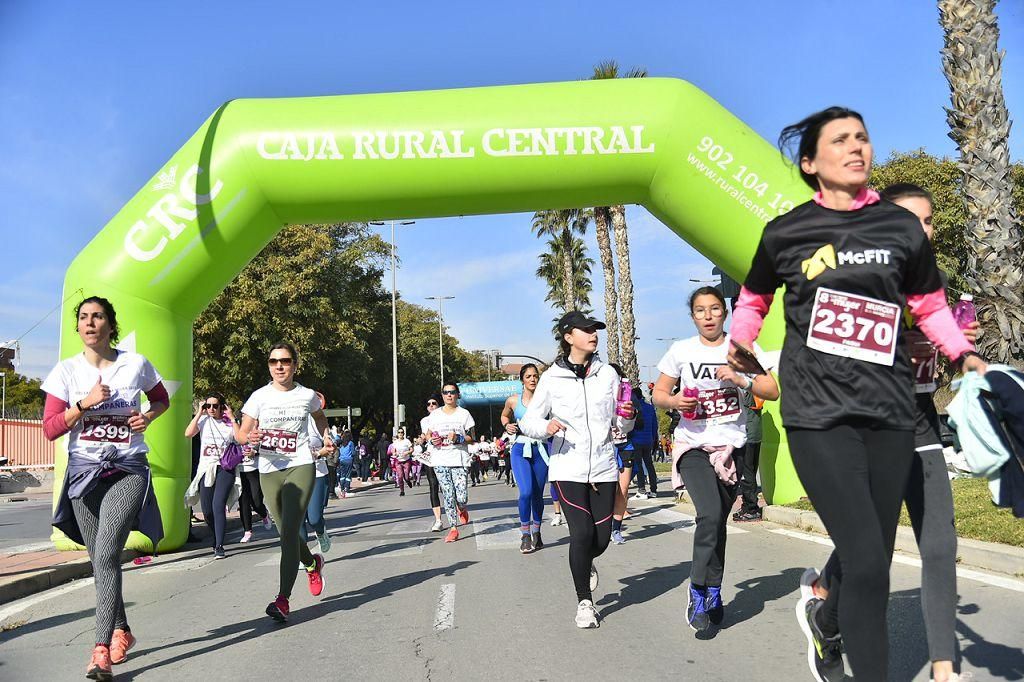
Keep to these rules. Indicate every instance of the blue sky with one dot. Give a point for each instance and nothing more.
(93, 102)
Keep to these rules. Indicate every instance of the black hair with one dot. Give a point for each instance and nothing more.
(707, 291)
(108, 311)
(219, 396)
(563, 346)
(806, 134)
(906, 190)
(452, 383)
(524, 368)
(617, 368)
(288, 347)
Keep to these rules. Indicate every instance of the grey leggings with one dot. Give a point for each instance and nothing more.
(930, 506)
(105, 517)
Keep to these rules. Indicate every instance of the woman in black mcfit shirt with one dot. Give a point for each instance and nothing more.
(850, 263)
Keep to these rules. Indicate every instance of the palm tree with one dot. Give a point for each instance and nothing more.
(551, 271)
(602, 220)
(625, 325)
(979, 124)
(563, 225)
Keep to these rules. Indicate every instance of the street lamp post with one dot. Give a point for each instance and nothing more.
(440, 331)
(394, 322)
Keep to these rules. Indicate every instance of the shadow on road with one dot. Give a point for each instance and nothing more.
(644, 587)
(752, 595)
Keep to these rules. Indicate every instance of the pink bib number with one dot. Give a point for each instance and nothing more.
(717, 405)
(853, 326)
(281, 441)
(106, 428)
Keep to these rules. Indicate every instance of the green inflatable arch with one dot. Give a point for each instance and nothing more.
(256, 165)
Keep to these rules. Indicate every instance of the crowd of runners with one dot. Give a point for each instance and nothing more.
(862, 429)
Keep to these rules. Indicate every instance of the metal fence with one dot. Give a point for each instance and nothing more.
(23, 443)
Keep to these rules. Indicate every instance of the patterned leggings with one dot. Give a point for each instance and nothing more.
(105, 517)
(454, 491)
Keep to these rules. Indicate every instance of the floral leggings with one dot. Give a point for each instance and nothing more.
(454, 491)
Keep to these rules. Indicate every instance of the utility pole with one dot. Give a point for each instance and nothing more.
(440, 331)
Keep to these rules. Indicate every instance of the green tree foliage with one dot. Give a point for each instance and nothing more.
(943, 178)
(25, 398)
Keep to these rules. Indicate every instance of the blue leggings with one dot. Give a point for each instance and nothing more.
(317, 504)
(531, 475)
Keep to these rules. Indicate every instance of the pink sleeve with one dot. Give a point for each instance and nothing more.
(54, 425)
(158, 394)
(749, 315)
(932, 315)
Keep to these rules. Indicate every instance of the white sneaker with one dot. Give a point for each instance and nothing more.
(594, 577)
(586, 615)
(556, 520)
(437, 527)
(325, 543)
(246, 536)
(639, 495)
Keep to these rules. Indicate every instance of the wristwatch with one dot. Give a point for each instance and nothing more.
(78, 404)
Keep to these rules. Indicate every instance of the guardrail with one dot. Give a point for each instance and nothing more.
(23, 444)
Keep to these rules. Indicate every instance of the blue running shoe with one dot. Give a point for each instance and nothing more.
(696, 610)
(716, 612)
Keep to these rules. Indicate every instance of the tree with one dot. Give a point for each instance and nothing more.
(563, 225)
(551, 270)
(979, 124)
(315, 286)
(602, 221)
(24, 398)
(626, 319)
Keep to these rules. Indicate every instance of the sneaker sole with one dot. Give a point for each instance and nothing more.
(276, 615)
(101, 675)
(695, 628)
(806, 594)
(588, 625)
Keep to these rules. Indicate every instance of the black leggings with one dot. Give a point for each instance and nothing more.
(214, 500)
(713, 500)
(588, 511)
(435, 489)
(856, 477)
(251, 500)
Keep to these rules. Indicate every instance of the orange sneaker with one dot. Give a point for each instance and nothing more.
(99, 666)
(463, 516)
(120, 643)
(453, 535)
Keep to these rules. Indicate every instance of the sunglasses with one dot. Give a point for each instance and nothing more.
(211, 406)
(449, 392)
(431, 402)
(287, 362)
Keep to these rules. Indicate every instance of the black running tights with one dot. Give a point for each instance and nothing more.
(588, 511)
(855, 477)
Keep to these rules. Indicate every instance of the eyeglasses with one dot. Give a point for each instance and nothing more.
(211, 406)
(286, 362)
(715, 310)
(449, 392)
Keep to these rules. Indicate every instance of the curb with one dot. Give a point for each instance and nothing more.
(990, 556)
(55, 576)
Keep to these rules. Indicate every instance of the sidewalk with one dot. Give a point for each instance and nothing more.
(38, 566)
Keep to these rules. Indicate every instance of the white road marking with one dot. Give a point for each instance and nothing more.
(969, 574)
(683, 522)
(17, 607)
(410, 527)
(502, 533)
(444, 616)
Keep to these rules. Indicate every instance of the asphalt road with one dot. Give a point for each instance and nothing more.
(401, 605)
(25, 523)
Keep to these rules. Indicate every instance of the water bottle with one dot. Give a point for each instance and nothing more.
(625, 398)
(690, 393)
(964, 312)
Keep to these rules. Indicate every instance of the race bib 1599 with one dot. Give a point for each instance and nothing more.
(106, 428)
(853, 326)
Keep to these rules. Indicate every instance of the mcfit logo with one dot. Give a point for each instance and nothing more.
(823, 258)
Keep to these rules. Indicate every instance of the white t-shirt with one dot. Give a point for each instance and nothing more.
(402, 449)
(105, 424)
(461, 423)
(720, 416)
(485, 451)
(316, 442)
(283, 416)
(214, 436)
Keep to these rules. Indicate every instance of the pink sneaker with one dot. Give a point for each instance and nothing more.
(316, 576)
(278, 609)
